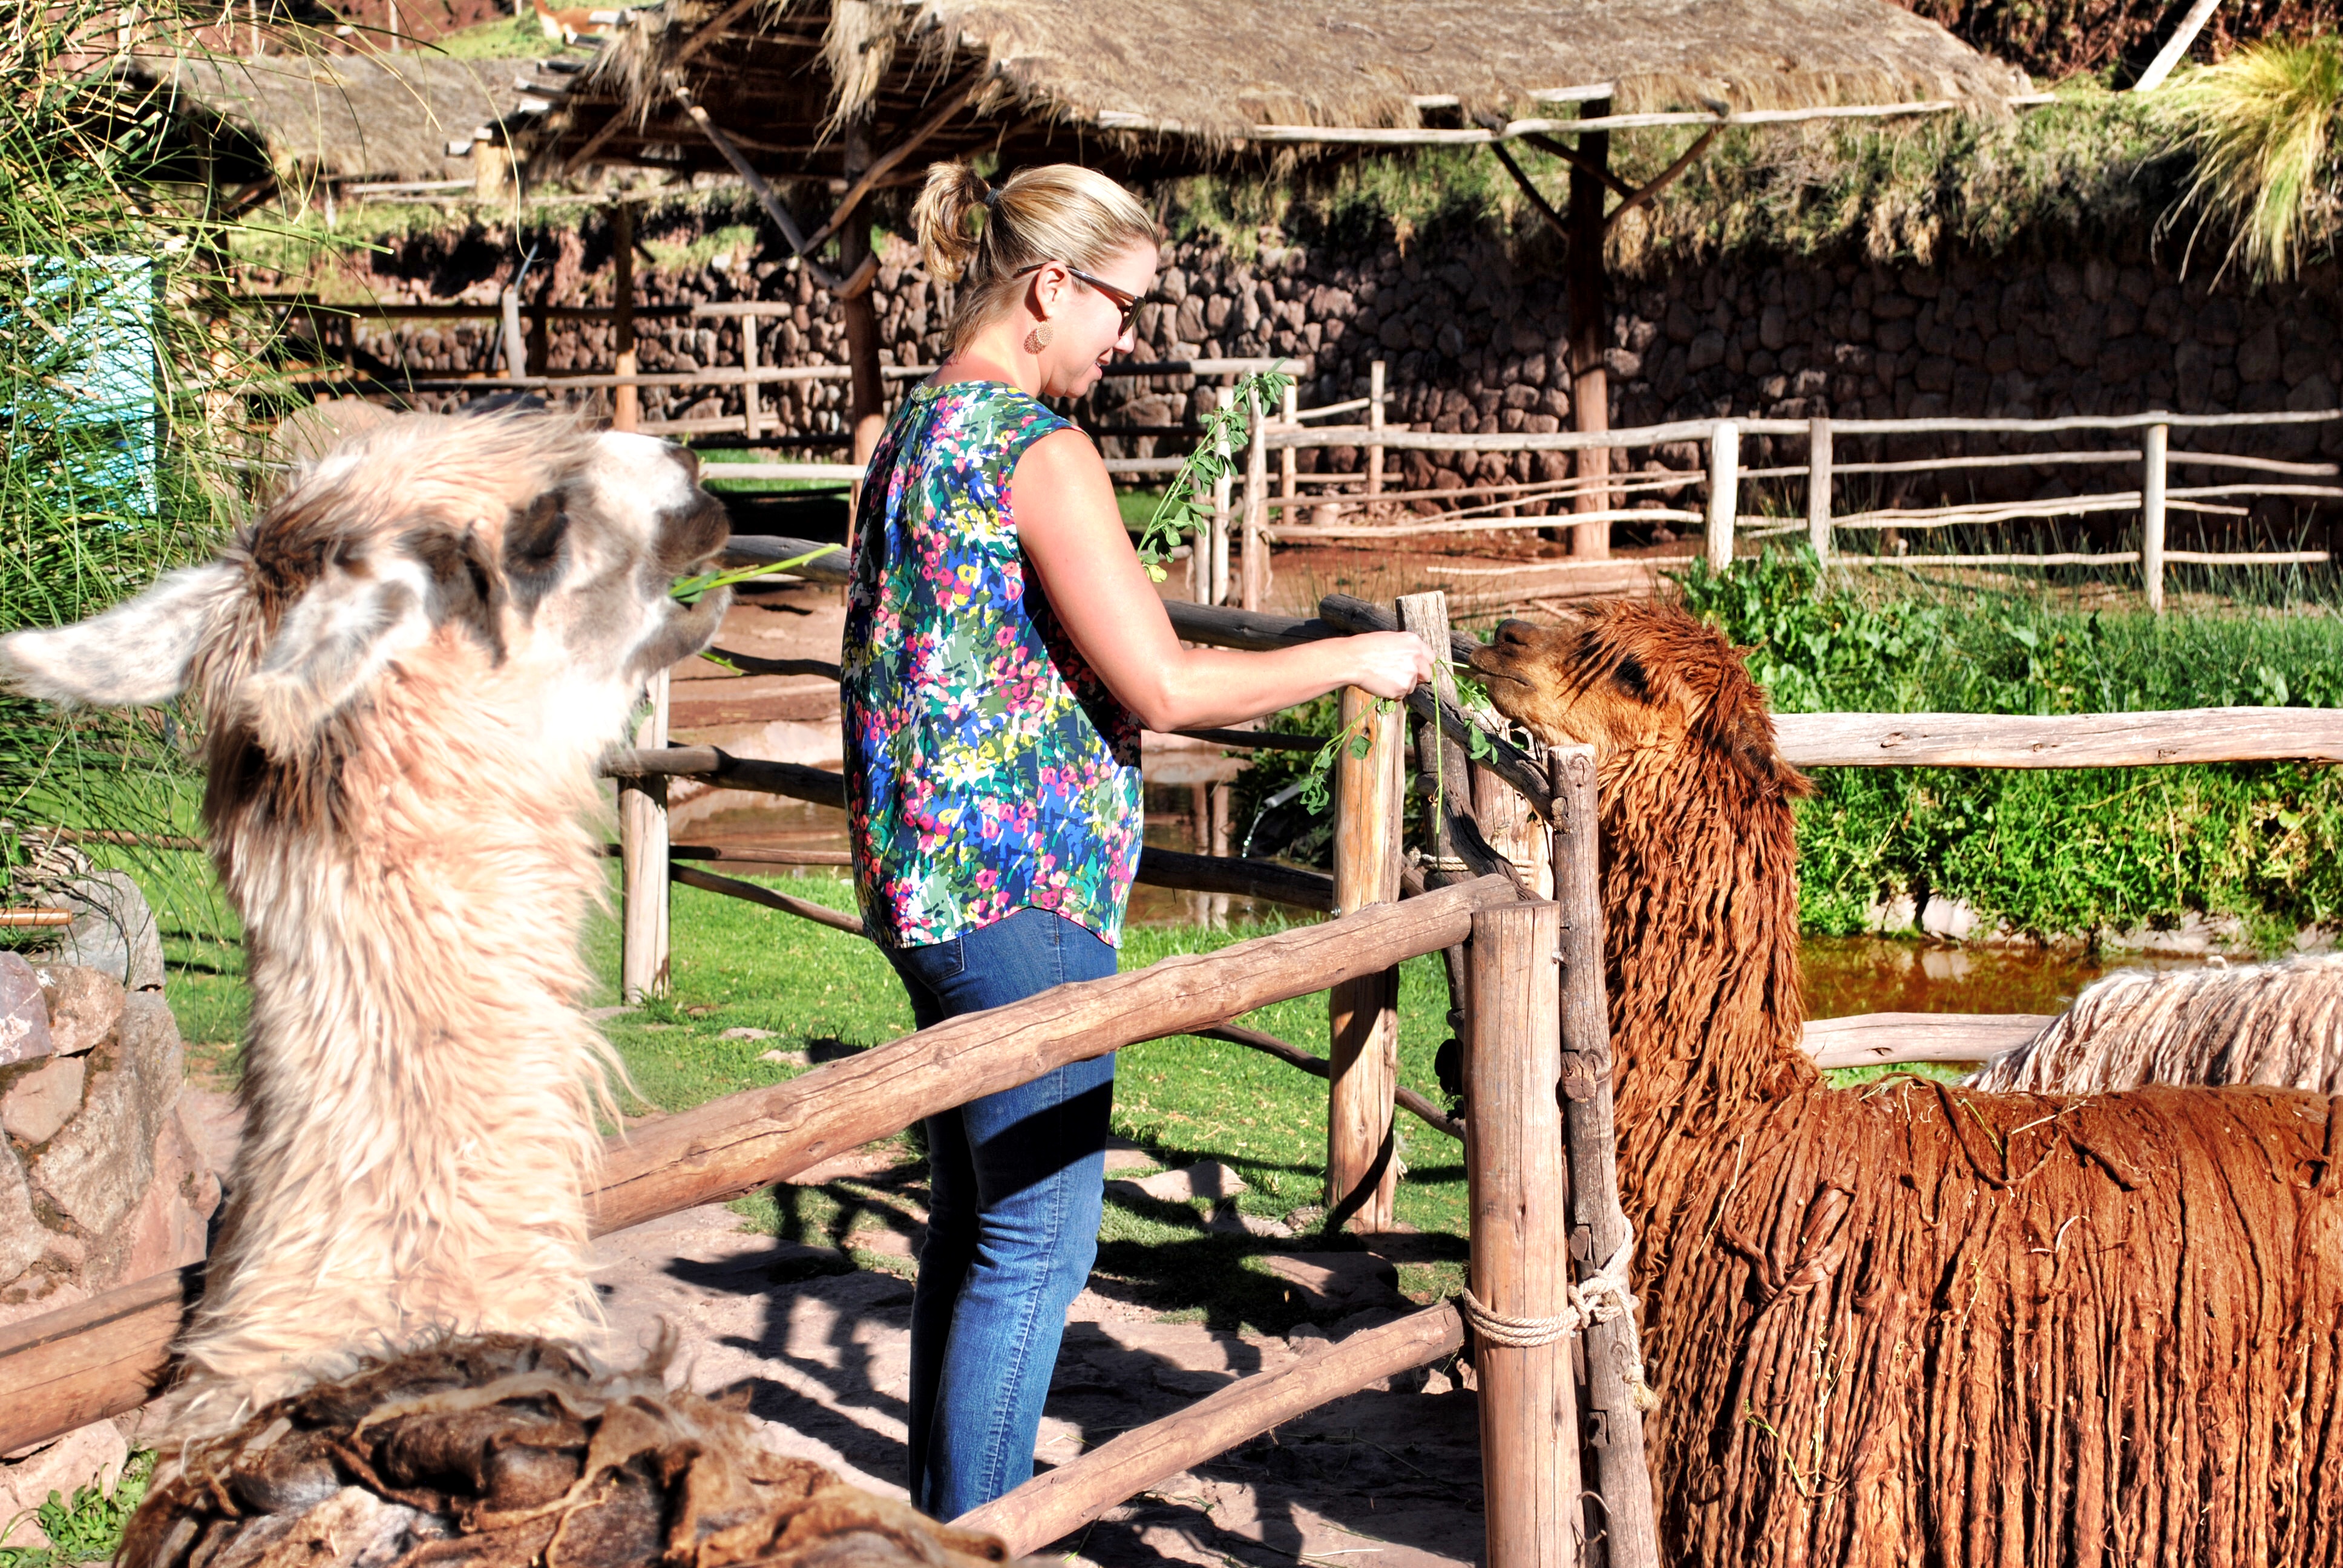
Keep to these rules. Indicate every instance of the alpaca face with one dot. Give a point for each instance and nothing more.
(1637, 682)
(516, 553)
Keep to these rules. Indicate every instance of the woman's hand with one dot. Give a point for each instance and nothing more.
(1389, 663)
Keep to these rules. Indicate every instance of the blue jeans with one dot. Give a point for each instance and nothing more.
(1016, 1183)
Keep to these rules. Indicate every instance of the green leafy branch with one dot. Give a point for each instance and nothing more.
(87, 1528)
(1317, 779)
(689, 591)
(1187, 504)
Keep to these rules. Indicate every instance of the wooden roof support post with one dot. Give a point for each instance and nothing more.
(1625, 1534)
(1520, 1264)
(625, 402)
(1361, 1160)
(1590, 324)
(867, 402)
(643, 966)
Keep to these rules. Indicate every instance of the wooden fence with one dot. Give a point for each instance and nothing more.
(1528, 974)
(1228, 564)
(1722, 477)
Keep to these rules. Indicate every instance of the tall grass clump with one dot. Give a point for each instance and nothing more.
(2261, 126)
(2054, 853)
(122, 375)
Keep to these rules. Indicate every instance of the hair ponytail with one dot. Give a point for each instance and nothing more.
(982, 239)
(948, 218)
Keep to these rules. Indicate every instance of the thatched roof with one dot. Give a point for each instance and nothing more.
(1103, 72)
(346, 116)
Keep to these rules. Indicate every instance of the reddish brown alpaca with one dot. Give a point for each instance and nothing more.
(1912, 1325)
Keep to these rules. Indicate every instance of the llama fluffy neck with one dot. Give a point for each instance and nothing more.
(418, 1080)
(1701, 936)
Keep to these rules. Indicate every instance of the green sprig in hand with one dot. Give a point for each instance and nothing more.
(1187, 502)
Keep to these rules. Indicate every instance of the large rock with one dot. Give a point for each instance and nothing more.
(24, 1015)
(96, 1169)
(112, 931)
(83, 1005)
(105, 1176)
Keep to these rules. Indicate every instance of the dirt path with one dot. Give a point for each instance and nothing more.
(1389, 1478)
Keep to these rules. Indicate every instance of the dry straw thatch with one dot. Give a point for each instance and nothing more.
(346, 116)
(1071, 77)
(1218, 68)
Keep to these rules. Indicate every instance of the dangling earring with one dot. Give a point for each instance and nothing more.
(1037, 340)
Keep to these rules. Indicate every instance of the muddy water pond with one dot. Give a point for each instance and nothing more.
(1846, 975)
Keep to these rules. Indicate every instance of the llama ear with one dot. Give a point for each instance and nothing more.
(1750, 740)
(332, 642)
(138, 652)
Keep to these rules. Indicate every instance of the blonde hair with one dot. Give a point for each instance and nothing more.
(982, 239)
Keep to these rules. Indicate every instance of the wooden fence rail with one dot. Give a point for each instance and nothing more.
(106, 1355)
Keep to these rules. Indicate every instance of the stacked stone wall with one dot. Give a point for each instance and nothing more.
(1471, 330)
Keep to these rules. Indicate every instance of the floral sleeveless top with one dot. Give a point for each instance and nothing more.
(988, 768)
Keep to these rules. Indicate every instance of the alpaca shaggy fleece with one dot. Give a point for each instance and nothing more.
(1912, 1325)
(407, 667)
(503, 1452)
(2278, 1024)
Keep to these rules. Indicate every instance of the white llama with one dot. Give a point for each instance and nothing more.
(408, 669)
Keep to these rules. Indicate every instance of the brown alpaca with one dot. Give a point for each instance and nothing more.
(407, 670)
(1911, 1323)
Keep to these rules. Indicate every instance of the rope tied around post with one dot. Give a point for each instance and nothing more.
(1599, 1298)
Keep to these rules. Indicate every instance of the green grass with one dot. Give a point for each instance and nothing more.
(822, 993)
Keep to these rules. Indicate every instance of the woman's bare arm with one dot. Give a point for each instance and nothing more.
(1073, 538)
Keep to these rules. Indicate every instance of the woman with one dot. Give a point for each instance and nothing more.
(1003, 646)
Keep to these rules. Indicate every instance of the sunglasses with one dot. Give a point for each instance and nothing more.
(1127, 301)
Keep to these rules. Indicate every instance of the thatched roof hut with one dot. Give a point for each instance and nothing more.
(1150, 90)
(345, 117)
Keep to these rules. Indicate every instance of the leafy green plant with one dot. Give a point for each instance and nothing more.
(2261, 124)
(87, 1526)
(2054, 852)
(1187, 502)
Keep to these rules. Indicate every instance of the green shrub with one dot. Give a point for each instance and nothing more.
(86, 1527)
(2053, 852)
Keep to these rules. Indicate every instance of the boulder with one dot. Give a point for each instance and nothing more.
(112, 931)
(108, 1174)
(23, 1014)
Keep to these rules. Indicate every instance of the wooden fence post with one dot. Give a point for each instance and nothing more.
(1818, 487)
(1520, 1267)
(1628, 1534)
(625, 402)
(1289, 461)
(1441, 756)
(1375, 428)
(642, 858)
(1724, 492)
(1254, 584)
(515, 347)
(1219, 584)
(2155, 441)
(752, 417)
(1362, 1070)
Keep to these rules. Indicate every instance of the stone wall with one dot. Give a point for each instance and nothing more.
(106, 1176)
(103, 1178)
(1471, 329)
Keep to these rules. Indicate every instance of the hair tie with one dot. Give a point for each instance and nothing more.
(992, 198)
